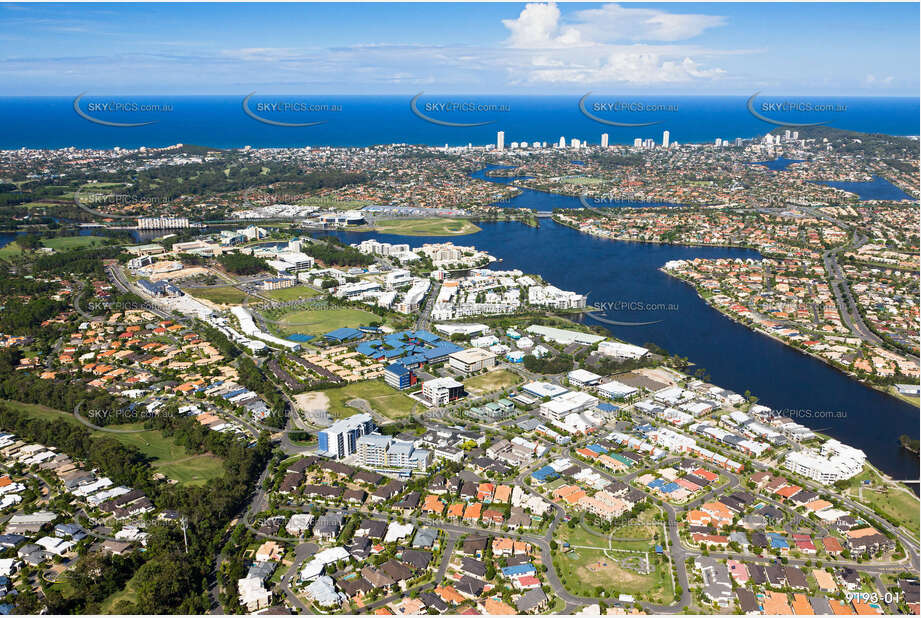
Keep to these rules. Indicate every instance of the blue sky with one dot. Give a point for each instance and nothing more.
(564, 48)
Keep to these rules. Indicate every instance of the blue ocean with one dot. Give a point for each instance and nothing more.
(221, 122)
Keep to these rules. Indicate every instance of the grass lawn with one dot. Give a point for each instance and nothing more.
(292, 293)
(492, 381)
(382, 398)
(321, 321)
(220, 295)
(64, 243)
(583, 570)
(166, 456)
(128, 593)
(432, 226)
(10, 250)
(901, 505)
(892, 390)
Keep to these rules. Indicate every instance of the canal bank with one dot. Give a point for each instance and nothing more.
(627, 275)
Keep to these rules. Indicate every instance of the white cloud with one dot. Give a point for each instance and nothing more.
(538, 26)
(613, 22)
(878, 81)
(589, 48)
(619, 66)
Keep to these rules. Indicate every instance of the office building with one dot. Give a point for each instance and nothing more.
(386, 452)
(341, 438)
(472, 359)
(162, 223)
(442, 390)
(399, 377)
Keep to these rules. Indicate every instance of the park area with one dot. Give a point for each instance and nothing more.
(491, 382)
(318, 321)
(63, 243)
(432, 226)
(624, 562)
(896, 502)
(375, 394)
(296, 292)
(166, 456)
(221, 294)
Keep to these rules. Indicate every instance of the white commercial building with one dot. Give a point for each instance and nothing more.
(622, 350)
(835, 462)
(568, 403)
(581, 377)
(440, 391)
(563, 337)
(616, 390)
(472, 359)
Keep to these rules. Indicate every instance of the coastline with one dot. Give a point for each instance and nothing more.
(882, 388)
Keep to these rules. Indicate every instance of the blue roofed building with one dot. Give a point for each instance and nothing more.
(777, 541)
(344, 334)
(519, 569)
(542, 475)
(399, 376)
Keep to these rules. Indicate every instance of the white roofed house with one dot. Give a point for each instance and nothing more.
(323, 592)
(253, 595)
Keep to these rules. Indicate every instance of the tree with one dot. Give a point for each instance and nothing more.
(165, 582)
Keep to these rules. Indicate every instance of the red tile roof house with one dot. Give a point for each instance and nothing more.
(710, 539)
(804, 543)
(832, 545)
